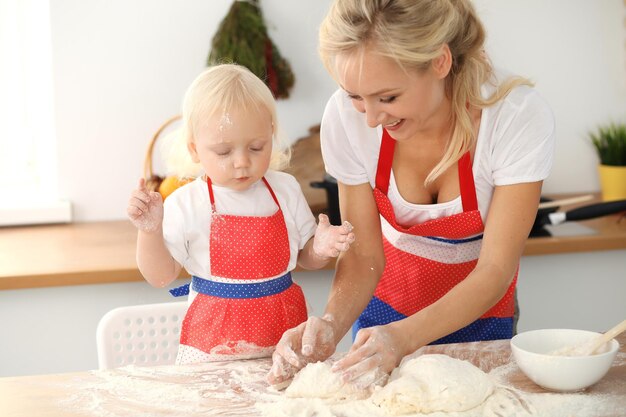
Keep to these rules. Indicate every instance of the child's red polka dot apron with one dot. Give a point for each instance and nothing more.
(426, 260)
(241, 308)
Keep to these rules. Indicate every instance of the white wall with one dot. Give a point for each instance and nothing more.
(575, 51)
(121, 68)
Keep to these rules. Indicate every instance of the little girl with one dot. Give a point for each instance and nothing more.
(239, 229)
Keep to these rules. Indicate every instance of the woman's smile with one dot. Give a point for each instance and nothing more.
(394, 125)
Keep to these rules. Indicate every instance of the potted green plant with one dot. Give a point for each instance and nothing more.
(610, 144)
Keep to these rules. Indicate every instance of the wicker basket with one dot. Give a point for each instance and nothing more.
(153, 181)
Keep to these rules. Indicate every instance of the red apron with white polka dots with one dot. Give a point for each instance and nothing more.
(242, 308)
(426, 260)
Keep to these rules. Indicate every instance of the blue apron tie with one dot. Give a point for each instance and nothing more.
(180, 291)
(234, 290)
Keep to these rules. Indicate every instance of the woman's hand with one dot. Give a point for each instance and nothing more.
(145, 208)
(376, 350)
(311, 341)
(329, 240)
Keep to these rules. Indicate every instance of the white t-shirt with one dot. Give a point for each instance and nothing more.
(515, 145)
(187, 217)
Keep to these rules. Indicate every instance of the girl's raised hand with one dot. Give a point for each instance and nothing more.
(145, 208)
(331, 240)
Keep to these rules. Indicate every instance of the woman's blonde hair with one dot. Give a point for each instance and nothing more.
(412, 32)
(222, 88)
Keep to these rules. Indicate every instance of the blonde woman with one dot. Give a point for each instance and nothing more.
(238, 229)
(440, 161)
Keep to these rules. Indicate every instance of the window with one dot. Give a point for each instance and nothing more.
(28, 173)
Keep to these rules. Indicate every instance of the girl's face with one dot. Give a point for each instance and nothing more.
(406, 103)
(234, 147)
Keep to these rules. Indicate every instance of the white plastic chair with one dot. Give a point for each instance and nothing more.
(141, 335)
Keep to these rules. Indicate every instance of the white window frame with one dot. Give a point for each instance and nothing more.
(29, 192)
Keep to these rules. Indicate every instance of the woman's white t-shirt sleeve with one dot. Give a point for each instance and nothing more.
(523, 144)
(338, 151)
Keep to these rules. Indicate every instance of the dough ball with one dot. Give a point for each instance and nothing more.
(431, 383)
(316, 380)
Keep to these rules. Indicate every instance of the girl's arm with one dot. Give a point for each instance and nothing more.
(511, 215)
(155, 263)
(328, 242)
(145, 211)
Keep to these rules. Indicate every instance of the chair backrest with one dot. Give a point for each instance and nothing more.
(141, 335)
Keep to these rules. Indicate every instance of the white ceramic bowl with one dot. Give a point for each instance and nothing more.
(561, 373)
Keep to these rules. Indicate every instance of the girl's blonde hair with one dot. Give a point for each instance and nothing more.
(222, 88)
(412, 32)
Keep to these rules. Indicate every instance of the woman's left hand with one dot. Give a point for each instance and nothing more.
(377, 349)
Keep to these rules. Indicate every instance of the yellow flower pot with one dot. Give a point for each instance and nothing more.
(612, 182)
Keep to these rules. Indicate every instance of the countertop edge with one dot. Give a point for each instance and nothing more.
(81, 254)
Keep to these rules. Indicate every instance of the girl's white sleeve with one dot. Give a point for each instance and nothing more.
(305, 221)
(174, 230)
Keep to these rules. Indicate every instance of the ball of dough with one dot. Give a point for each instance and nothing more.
(431, 383)
(317, 380)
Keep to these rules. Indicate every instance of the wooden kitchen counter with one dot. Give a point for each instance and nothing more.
(233, 388)
(104, 252)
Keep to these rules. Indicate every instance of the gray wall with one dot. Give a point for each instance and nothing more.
(51, 330)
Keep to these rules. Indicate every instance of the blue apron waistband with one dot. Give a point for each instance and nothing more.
(234, 290)
(378, 312)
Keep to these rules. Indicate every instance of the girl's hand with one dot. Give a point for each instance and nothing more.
(376, 350)
(330, 241)
(311, 341)
(145, 208)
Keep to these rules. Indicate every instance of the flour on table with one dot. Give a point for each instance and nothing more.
(432, 383)
(239, 388)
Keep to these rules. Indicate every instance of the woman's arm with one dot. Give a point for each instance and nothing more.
(357, 274)
(358, 270)
(511, 215)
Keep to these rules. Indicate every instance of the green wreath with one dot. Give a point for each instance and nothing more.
(242, 39)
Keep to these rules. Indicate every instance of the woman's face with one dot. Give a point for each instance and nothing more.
(406, 103)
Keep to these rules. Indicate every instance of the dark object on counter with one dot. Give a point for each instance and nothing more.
(550, 216)
(332, 197)
(545, 216)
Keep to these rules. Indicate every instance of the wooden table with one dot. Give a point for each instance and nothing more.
(233, 388)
